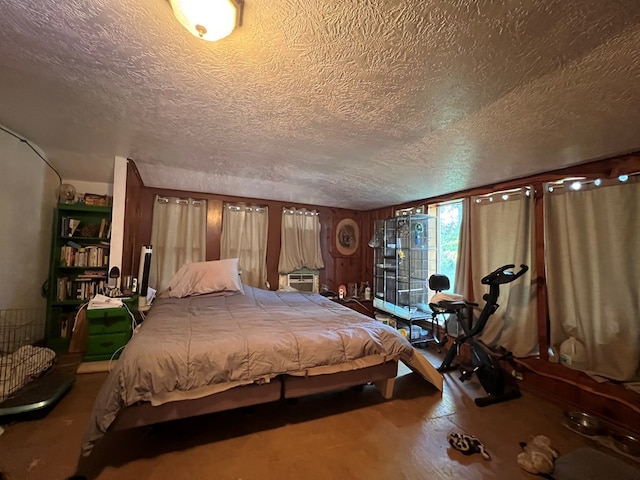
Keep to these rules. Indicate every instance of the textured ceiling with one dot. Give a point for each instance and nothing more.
(356, 104)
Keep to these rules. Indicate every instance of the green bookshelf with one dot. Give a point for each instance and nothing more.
(78, 267)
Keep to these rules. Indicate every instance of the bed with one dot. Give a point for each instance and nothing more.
(210, 352)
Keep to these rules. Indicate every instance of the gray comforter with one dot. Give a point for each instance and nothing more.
(189, 343)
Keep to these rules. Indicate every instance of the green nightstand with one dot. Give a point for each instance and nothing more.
(109, 330)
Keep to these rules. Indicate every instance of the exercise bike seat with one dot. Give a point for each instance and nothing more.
(447, 302)
(453, 306)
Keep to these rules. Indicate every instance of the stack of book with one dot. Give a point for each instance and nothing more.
(96, 200)
(82, 287)
(76, 255)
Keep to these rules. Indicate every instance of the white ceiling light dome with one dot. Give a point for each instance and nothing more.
(208, 19)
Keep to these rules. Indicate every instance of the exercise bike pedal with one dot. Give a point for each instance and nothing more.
(467, 374)
(448, 368)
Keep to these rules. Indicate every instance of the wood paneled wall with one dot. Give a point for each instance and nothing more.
(338, 269)
(133, 215)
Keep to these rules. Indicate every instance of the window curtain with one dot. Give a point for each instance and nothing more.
(300, 240)
(593, 274)
(178, 236)
(244, 236)
(501, 232)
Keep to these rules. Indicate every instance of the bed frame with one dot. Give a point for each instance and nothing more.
(282, 387)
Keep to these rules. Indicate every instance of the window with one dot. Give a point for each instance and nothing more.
(501, 232)
(447, 237)
(450, 219)
(244, 236)
(178, 236)
(592, 258)
(300, 241)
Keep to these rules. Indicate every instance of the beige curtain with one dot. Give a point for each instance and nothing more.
(244, 236)
(501, 232)
(300, 240)
(593, 274)
(178, 236)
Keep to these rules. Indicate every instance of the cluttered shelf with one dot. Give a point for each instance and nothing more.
(80, 245)
(83, 207)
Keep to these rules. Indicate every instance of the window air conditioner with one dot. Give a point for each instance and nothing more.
(303, 282)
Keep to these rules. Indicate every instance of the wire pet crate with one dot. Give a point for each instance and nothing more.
(21, 361)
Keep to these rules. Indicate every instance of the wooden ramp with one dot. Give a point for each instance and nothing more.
(420, 365)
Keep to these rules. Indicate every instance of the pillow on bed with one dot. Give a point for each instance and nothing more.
(199, 278)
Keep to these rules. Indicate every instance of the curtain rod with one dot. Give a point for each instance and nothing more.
(246, 208)
(299, 211)
(183, 201)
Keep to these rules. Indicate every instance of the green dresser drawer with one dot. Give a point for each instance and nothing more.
(108, 320)
(107, 313)
(106, 344)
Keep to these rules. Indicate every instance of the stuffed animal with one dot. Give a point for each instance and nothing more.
(467, 444)
(538, 456)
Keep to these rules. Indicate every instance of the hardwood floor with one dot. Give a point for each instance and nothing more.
(344, 435)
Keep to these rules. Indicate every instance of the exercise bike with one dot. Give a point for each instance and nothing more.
(498, 386)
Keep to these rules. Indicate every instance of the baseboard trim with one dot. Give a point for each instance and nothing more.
(95, 367)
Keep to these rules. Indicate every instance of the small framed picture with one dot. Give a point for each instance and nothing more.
(346, 238)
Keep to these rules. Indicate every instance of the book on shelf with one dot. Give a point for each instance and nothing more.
(81, 258)
(69, 226)
(96, 200)
(67, 256)
(78, 256)
(73, 244)
(61, 289)
(93, 256)
(93, 274)
(103, 224)
(80, 288)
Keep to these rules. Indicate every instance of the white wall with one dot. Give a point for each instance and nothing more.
(117, 214)
(28, 195)
(90, 187)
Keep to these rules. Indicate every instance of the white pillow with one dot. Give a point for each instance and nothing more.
(199, 278)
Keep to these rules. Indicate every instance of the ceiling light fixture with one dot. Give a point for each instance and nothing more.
(208, 19)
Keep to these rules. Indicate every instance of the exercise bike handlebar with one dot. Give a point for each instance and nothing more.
(501, 275)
